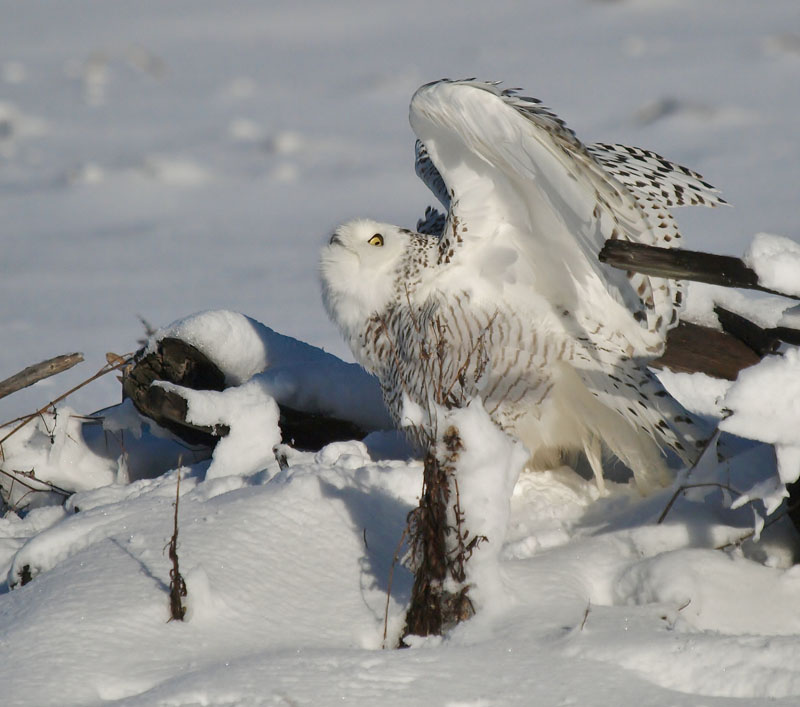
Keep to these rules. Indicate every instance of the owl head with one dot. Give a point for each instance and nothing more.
(358, 269)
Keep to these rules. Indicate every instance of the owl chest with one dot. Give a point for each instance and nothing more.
(453, 350)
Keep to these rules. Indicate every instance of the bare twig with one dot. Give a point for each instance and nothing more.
(48, 486)
(149, 330)
(749, 534)
(735, 543)
(585, 616)
(38, 371)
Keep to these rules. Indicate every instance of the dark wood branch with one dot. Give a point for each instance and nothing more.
(177, 585)
(38, 371)
(680, 264)
(181, 363)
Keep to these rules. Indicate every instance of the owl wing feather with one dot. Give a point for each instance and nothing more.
(508, 161)
(652, 177)
(497, 159)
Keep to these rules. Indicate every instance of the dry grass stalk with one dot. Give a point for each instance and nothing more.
(27, 479)
(115, 363)
(177, 585)
(395, 560)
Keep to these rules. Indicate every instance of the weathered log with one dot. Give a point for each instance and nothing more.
(680, 264)
(38, 371)
(692, 348)
(760, 340)
(178, 362)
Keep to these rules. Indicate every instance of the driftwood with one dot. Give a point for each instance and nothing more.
(178, 362)
(38, 371)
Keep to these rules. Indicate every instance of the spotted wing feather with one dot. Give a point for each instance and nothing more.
(654, 178)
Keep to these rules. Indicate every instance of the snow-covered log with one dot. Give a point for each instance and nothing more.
(216, 350)
(176, 361)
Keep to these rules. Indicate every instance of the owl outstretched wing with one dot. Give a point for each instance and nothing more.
(509, 169)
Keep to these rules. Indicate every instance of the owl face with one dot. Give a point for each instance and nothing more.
(358, 269)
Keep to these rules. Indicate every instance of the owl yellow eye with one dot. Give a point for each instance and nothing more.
(377, 239)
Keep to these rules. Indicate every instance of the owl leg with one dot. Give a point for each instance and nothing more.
(593, 450)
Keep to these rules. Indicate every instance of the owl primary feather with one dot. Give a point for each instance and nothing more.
(504, 298)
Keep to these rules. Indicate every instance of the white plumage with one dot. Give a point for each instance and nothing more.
(504, 298)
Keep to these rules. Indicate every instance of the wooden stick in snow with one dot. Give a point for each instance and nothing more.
(181, 363)
(680, 264)
(38, 371)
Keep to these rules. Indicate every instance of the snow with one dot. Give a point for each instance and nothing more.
(776, 261)
(764, 404)
(163, 159)
(250, 413)
(487, 469)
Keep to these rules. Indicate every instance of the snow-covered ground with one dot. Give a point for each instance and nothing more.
(159, 159)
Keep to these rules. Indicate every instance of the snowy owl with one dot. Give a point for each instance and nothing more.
(504, 297)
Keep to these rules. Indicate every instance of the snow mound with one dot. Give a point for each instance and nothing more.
(776, 261)
(288, 569)
(764, 404)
